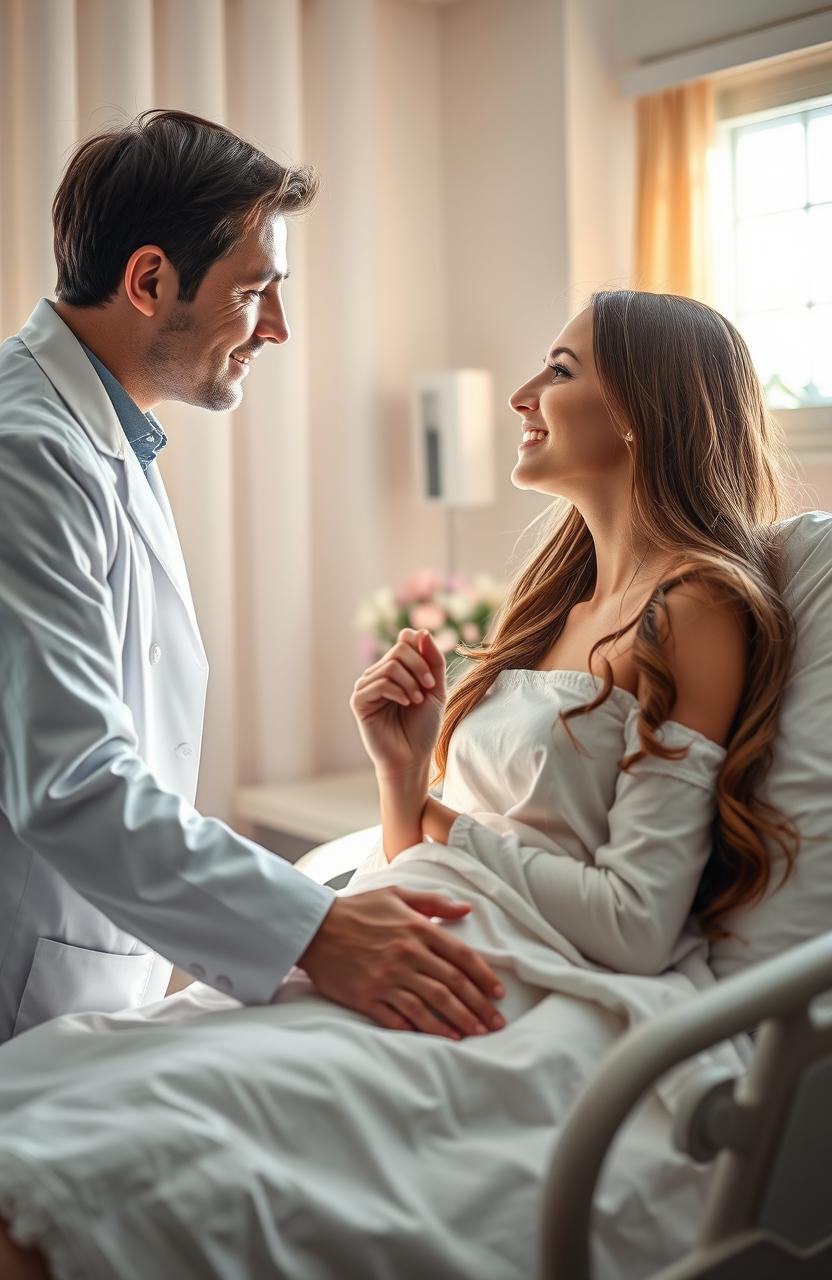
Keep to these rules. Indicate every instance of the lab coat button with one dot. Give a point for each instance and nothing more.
(184, 750)
(196, 971)
(155, 653)
(223, 984)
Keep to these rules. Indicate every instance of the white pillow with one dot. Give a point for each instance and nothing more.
(799, 782)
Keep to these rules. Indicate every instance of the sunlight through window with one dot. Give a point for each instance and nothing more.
(773, 245)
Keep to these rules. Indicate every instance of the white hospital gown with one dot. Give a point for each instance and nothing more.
(201, 1139)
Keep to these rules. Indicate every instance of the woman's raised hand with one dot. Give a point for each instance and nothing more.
(398, 703)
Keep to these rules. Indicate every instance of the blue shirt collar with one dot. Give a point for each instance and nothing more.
(143, 431)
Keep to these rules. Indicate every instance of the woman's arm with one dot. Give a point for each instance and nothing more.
(402, 799)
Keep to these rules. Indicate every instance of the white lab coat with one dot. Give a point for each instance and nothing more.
(105, 866)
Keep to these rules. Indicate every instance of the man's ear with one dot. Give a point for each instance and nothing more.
(151, 282)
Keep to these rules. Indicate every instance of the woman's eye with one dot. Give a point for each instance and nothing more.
(558, 368)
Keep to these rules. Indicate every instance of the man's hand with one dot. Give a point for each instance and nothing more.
(376, 952)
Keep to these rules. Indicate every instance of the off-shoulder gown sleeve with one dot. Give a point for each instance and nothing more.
(626, 908)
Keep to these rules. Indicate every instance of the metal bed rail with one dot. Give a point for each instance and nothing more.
(768, 1214)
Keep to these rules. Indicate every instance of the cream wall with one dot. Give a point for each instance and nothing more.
(375, 315)
(440, 240)
(505, 224)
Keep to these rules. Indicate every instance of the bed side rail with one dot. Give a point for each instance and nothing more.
(759, 1218)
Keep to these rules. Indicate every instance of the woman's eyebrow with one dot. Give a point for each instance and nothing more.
(556, 351)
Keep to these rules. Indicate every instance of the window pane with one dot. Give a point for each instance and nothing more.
(820, 253)
(772, 261)
(820, 157)
(820, 335)
(779, 346)
(771, 168)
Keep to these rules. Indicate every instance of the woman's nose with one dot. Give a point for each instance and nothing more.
(524, 399)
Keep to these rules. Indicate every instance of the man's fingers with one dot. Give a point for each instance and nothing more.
(423, 1018)
(440, 999)
(462, 957)
(467, 995)
(433, 904)
(386, 1016)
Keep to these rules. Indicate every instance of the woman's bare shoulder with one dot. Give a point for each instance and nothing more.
(706, 644)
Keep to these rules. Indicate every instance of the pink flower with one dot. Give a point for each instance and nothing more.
(470, 632)
(427, 615)
(419, 585)
(369, 650)
(446, 640)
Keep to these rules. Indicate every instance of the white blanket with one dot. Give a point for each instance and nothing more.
(199, 1139)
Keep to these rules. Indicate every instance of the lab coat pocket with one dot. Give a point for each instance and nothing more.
(67, 979)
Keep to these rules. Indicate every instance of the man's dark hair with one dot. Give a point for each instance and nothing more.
(167, 178)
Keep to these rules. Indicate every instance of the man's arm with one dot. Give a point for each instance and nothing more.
(73, 785)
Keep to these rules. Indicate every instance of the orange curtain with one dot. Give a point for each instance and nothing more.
(676, 134)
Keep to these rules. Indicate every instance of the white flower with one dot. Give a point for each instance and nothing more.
(459, 605)
(385, 603)
(366, 616)
(489, 590)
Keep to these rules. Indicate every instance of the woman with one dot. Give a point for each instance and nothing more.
(600, 761)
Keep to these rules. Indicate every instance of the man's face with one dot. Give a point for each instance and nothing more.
(202, 350)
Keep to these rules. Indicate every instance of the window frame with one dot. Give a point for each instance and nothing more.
(807, 428)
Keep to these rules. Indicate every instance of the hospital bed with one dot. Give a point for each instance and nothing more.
(768, 1132)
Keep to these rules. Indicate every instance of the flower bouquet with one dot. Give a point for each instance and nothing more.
(453, 609)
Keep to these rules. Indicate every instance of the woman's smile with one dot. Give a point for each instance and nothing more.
(531, 437)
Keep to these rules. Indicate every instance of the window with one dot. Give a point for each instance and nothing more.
(773, 245)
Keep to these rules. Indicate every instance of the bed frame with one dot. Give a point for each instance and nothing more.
(768, 1214)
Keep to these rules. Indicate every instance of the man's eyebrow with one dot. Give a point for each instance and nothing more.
(257, 276)
(566, 350)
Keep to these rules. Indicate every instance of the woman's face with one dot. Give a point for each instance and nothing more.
(570, 442)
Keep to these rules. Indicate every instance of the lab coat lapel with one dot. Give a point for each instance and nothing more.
(148, 507)
(62, 358)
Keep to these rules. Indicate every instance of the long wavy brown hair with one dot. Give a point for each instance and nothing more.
(709, 480)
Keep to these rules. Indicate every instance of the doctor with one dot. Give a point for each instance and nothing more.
(170, 243)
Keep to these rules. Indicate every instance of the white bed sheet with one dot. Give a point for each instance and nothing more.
(199, 1139)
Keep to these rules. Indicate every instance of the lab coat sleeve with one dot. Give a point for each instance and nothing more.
(627, 907)
(73, 785)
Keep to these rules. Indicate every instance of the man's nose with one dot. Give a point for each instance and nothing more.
(273, 325)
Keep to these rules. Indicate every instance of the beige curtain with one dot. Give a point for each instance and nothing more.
(676, 137)
(281, 506)
(239, 485)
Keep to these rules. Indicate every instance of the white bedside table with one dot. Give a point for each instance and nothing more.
(313, 809)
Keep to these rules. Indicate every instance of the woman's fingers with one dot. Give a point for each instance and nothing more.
(405, 652)
(379, 691)
(433, 656)
(408, 650)
(396, 672)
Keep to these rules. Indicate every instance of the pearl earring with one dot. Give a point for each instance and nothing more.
(628, 437)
